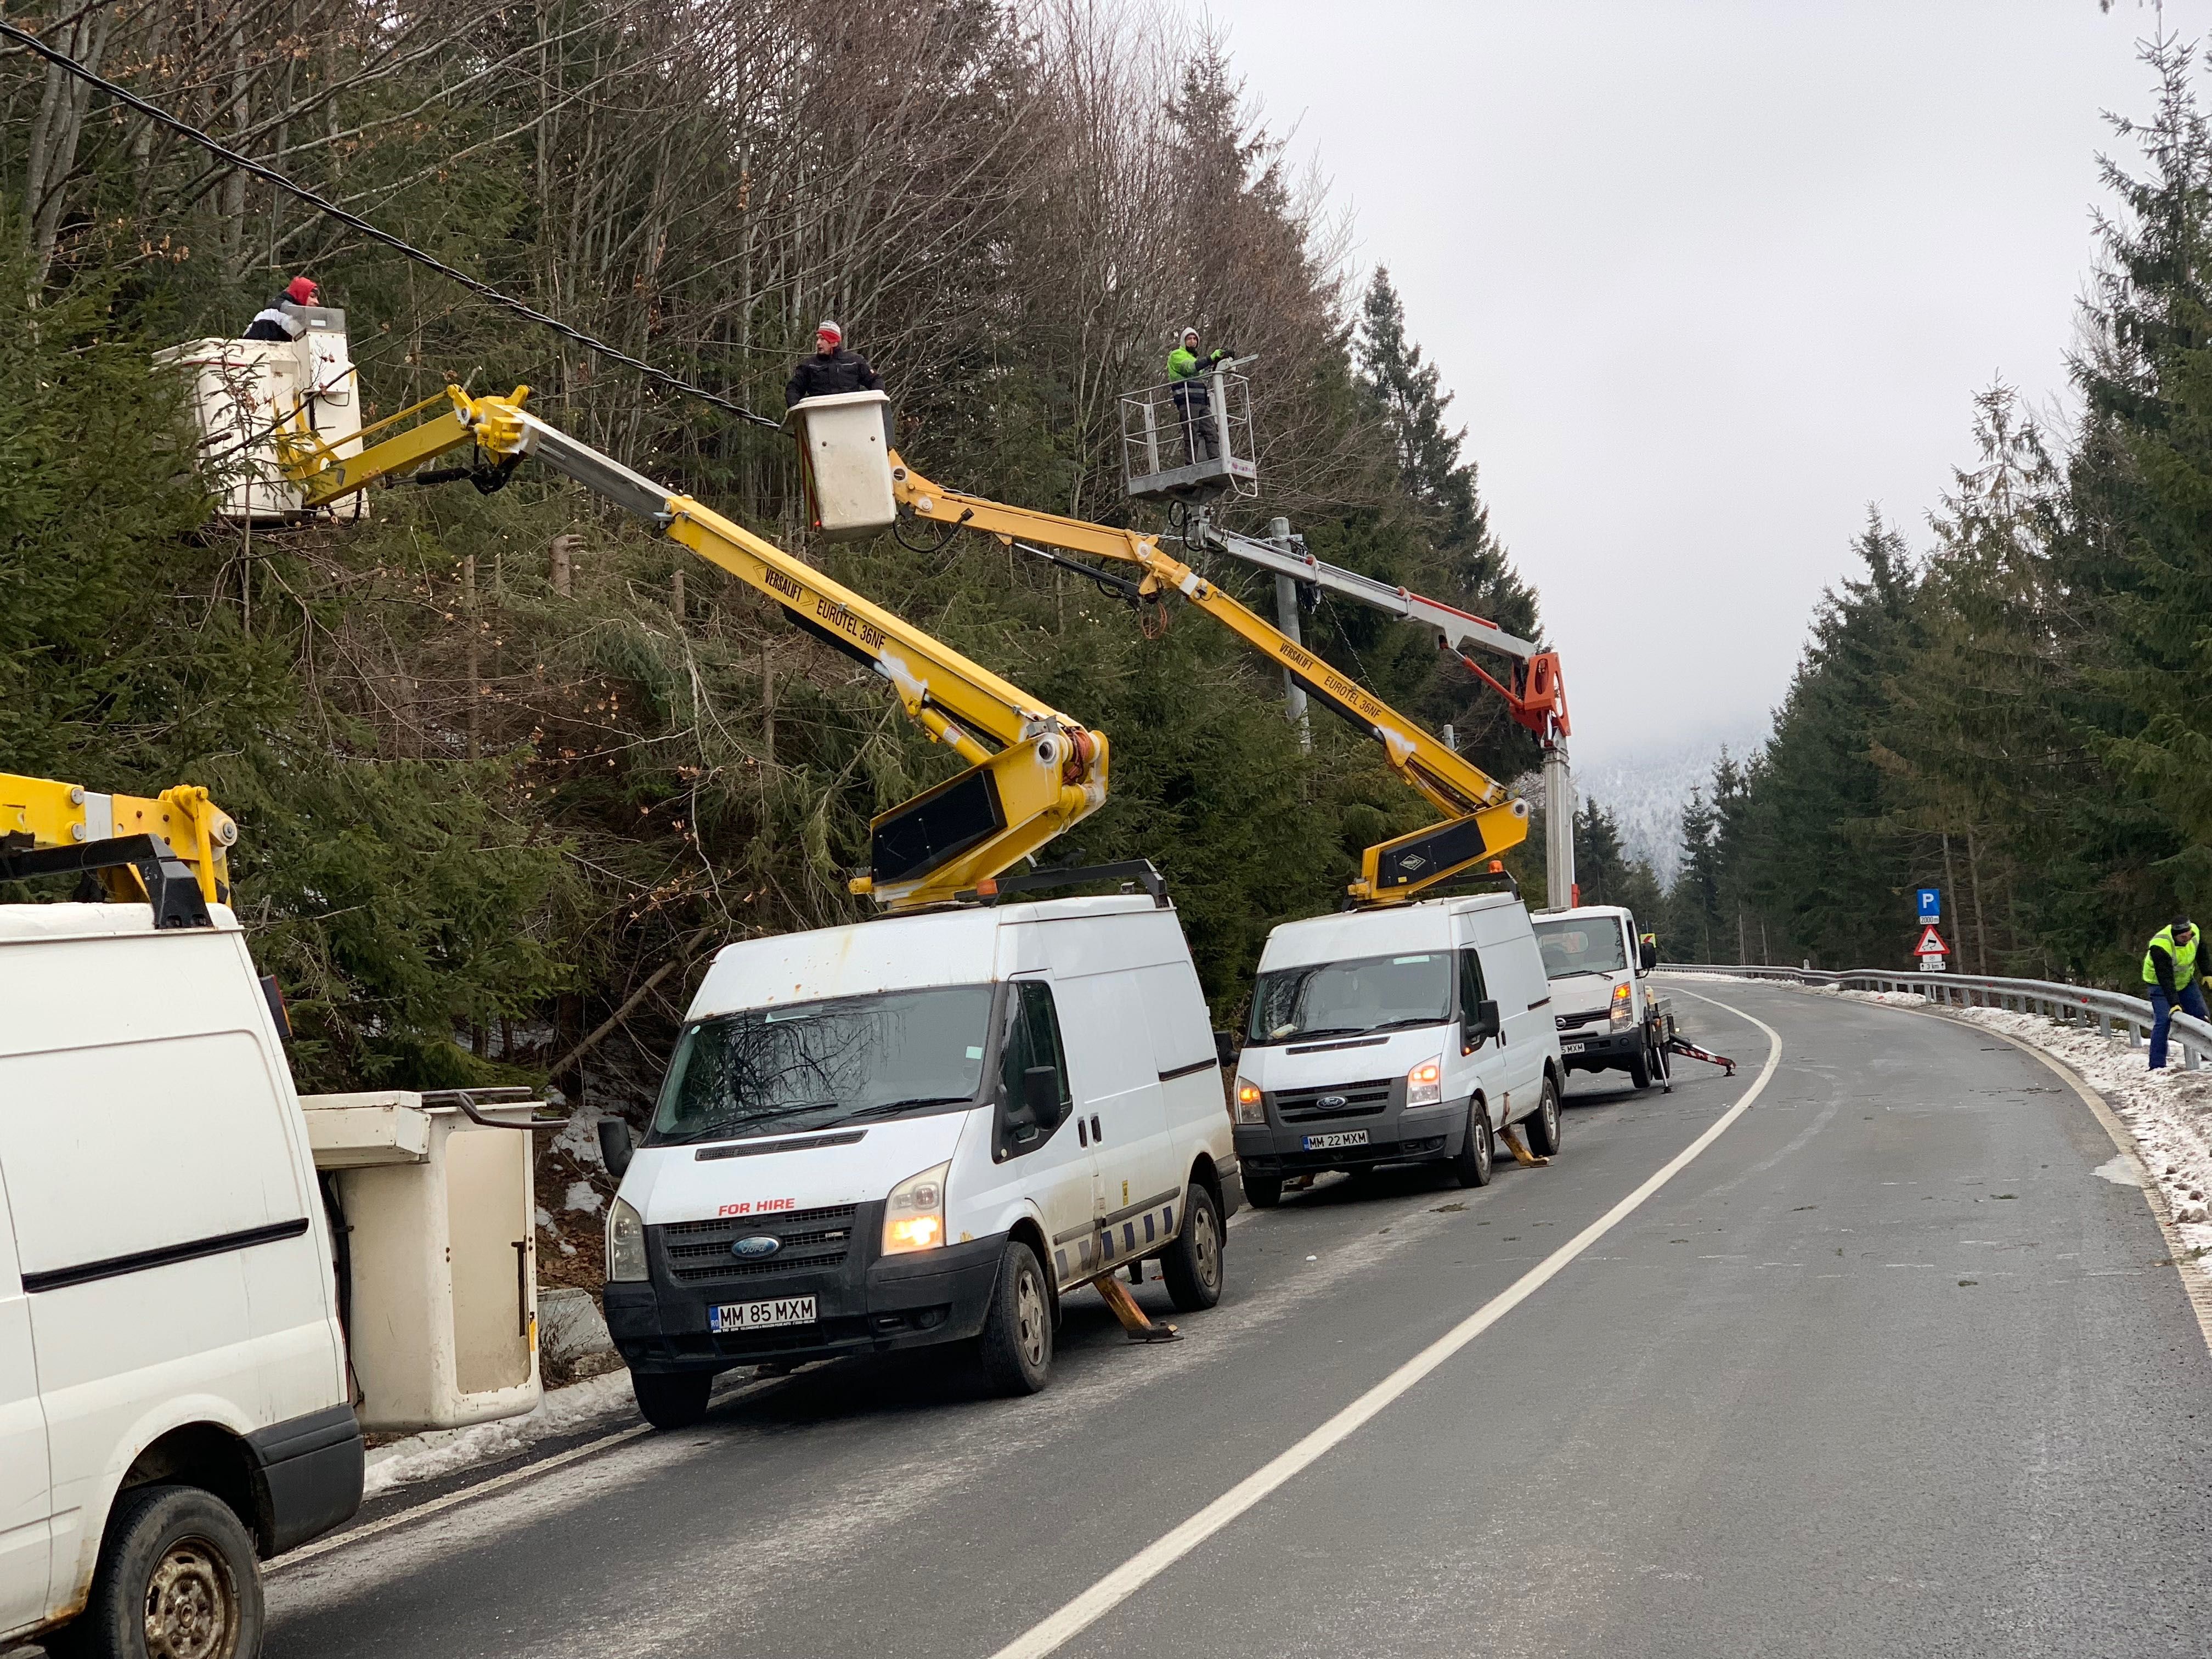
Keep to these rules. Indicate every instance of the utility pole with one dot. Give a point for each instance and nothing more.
(1286, 614)
(1559, 826)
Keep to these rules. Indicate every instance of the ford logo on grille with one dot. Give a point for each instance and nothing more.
(759, 1244)
(1330, 1103)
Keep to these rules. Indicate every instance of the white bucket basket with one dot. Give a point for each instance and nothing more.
(845, 441)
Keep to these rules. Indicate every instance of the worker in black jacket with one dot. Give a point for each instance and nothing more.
(281, 319)
(830, 370)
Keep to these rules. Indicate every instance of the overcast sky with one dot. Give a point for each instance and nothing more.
(1707, 278)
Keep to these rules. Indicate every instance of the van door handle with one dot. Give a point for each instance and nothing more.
(1082, 1139)
(1097, 1136)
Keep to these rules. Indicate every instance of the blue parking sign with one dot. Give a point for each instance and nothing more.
(1931, 904)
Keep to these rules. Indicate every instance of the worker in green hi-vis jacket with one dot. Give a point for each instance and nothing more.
(2171, 968)
(1187, 383)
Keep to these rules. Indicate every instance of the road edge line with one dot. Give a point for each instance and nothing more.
(1051, 1632)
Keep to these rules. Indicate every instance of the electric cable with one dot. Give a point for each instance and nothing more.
(323, 205)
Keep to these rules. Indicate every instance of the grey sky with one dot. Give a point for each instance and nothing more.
(1707, 278)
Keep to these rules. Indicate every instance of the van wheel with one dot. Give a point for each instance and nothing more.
(1265, 1192)
(177, 1580)
(1016, 1347)
(1473, 1165)
(1639, 1069)
(1544, 1122)
(1192, 1264)
(672, 1400)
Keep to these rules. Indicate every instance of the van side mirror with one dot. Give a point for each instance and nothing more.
(1647, 954)
(1480, 1026)
(1224, 1049)
(614, 1146)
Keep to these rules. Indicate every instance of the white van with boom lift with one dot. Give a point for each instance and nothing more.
(919, 1130)
(1609, 1016)
(1411, 1033)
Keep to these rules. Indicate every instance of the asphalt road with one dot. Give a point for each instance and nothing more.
(1886, 1369)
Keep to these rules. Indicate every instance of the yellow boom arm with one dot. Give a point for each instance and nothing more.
(1483, 818)
(40, 815)
(1032, 772)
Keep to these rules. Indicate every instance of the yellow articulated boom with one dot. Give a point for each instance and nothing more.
(48, 827)
(1483, 817)
(1032, 772)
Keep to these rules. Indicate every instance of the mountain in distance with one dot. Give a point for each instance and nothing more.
(1645, 792)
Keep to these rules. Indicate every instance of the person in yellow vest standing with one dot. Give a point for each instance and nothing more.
(2172, 968)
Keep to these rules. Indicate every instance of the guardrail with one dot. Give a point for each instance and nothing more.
(2069, 1005)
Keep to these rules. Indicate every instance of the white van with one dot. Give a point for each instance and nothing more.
(1393, 1035)
(917, 1130)
(174, 1402)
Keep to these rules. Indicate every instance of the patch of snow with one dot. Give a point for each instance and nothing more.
(544, 1219)
(2122, 1169)
(582, 1195)
(597, 1401)
(580, 1136)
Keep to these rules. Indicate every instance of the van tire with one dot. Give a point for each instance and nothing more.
(1476, 1158)
(1639, 1069)
(179, 1555)
(1544, 1121)
(1192, 1264)
(672, 1400)
(1016, 1347)
(1263, 1192)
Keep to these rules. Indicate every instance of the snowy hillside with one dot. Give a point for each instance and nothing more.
(1645, 792)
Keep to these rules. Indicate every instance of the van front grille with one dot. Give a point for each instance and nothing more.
(1339, 1100)
(811, 1240)
(1575, 1022)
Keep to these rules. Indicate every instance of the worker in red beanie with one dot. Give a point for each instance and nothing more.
(281, 320)
(830, 370)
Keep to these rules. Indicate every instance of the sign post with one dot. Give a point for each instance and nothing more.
(1931, 950)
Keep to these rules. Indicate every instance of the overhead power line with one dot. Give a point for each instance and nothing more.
(323, 205)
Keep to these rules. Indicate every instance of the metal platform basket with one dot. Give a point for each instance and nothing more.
(1190, 440)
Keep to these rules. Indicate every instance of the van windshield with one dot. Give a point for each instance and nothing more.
(1351, 998)
(769, 1071)
(1589, 947)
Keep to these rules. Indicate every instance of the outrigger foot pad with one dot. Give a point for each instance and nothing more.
(1141, 1329)
(1520, 1153)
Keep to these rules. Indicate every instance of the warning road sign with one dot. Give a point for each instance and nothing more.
(1931, 944)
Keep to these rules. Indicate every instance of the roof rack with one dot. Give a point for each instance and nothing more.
(171, 887)
(1138, 871)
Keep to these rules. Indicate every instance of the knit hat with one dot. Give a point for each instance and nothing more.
(829, 331)
(301, 290)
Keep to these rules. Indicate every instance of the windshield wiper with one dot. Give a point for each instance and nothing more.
(891, 1106)
(1572, 973)
(721, 1125)
(1410, 1019)
(1320, 1031)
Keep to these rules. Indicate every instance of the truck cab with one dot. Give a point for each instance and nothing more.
(1605, 1007)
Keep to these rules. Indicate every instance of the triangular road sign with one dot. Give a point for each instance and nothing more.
(1931, 944)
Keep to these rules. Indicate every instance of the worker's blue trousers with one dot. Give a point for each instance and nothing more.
(2190, 1001)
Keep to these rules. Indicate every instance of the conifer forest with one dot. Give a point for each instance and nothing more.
(507, 768)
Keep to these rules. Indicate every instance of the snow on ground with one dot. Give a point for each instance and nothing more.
(599, 1401)
(582, 1195)
(2169, 1112)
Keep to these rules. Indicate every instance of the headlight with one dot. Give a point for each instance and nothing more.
(625, 1242)
(1248, 1107)
(1624, 1008)
(914, 1215)
(1425, 1084)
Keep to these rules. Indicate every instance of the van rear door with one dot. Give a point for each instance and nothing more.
(25, 1512)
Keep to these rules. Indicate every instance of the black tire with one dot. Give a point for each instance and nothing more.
(1192, 1264)
(672, 1400)
(178, 1579)
(1016, 1347)
(1543, 1123)
(1263, 1192)
(1479, 1156)
(1639, 1069)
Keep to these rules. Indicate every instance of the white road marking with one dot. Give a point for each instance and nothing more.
(1049, 1634)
